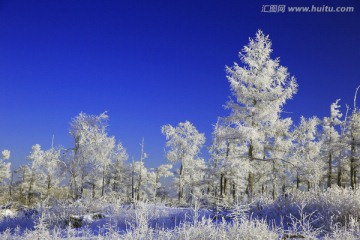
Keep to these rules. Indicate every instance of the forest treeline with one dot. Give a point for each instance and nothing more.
(254, 150)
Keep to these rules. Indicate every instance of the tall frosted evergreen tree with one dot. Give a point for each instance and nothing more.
(260, 86)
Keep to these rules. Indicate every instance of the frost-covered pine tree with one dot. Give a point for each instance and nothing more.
(260, 88)
(183, 145)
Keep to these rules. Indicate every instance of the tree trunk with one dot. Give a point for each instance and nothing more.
(329, 161)
(297, 181)
(352, 165)
(273, 191)
(132, 183)
(139, 184)
(251, 175)
(48, 184)
(115, 183)
(81, 187)
(11, 184)
(29, 195)
(93, 190)
(157, 180)
(234, 190)
(73, 187)
(329, 170)
(181, 187)
(339, 177)
(283, 188)
(103, 182)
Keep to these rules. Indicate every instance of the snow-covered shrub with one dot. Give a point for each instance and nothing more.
(303, 225)
(323, 209)
(350, 231)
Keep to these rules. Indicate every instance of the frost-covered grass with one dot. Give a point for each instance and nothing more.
(336, 207)
(333, 214)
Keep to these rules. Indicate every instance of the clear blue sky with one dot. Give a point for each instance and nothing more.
(150, 63)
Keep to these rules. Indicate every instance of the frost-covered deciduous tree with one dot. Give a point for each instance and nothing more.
(163, 171)
(103, 159)
(24, 183)
(260, 89)
(4, 167)
(139, 173)
(91, 154)
(195, 178)
(183, 145)
(277, 151)
(120, 172)
(30, 173)
(330, 140)
(306, 153)
(226, 167)
(352, 139)
(46, 167)
(153, 186)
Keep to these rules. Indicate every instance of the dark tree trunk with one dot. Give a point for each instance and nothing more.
(329, 171)
(181, 186)
(297, 181)
(234, 190)
(251, 175)
(103, 183)
(352, 165)
(339, 178)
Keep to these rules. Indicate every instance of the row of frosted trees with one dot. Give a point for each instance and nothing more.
(257, 151)
(254, 150)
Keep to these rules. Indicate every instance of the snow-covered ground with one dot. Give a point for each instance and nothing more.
(326, 215)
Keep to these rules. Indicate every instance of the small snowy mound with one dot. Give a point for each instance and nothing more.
(8, 213)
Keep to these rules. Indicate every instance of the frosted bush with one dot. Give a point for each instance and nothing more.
(323, 210)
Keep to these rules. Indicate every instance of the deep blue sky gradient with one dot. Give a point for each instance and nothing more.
(150, 63)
